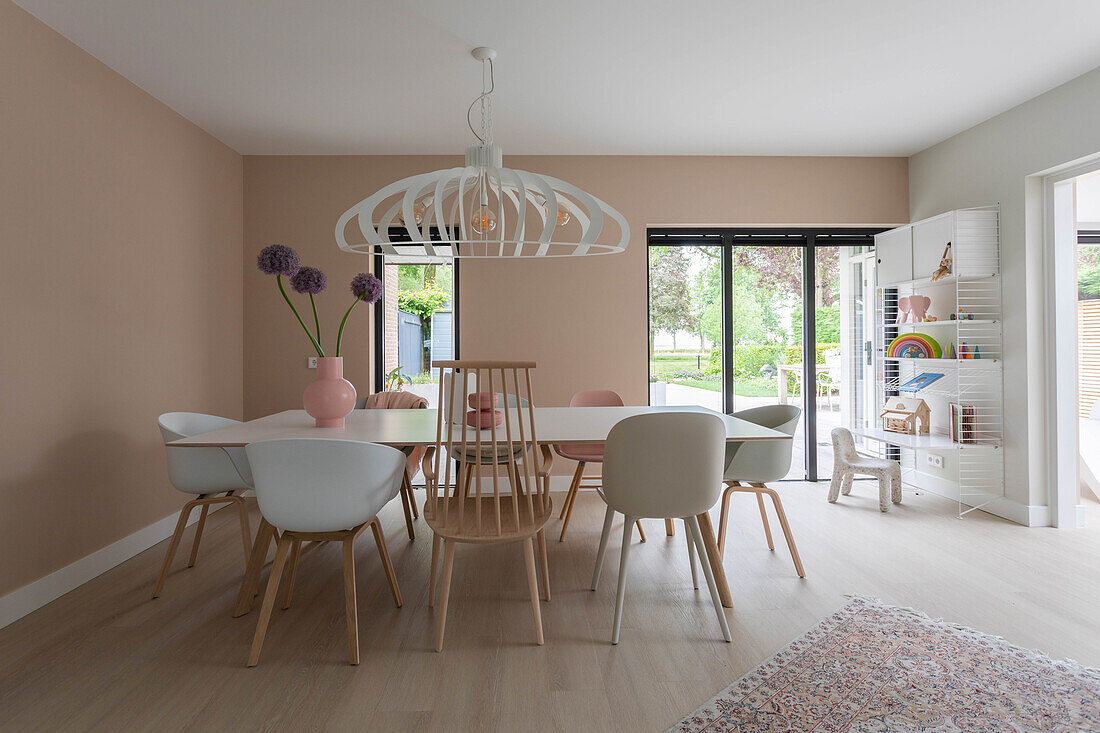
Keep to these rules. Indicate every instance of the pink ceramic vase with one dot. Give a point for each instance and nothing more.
(330, 397)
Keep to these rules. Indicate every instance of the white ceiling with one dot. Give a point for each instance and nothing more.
(708, 77)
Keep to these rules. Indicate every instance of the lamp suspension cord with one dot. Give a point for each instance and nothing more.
(486, 101)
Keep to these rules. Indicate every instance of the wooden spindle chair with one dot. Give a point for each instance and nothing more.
(467, 512)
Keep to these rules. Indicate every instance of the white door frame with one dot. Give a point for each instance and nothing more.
(1060, 320)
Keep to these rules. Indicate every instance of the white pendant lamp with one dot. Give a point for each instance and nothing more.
(482, 209)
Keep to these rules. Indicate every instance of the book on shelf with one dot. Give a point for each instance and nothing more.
(963, 423)
(919, 382)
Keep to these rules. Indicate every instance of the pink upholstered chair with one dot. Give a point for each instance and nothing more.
(585, 453)
(398, 400)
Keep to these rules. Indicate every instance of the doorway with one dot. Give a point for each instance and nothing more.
(740, 318)
(416, 323)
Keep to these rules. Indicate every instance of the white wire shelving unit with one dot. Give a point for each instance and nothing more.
(972, 471)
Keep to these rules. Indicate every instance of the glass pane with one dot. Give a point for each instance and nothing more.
(418, 325)
(844, 302)
(767, 333)
(685, 326)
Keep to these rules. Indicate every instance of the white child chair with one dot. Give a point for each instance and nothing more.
(203, 472)
(847, 463)
(664, 466)
(318, 490)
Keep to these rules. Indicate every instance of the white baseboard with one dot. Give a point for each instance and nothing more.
(31, 597)
(1029, 515)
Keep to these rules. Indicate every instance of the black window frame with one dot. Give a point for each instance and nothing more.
(806, 238)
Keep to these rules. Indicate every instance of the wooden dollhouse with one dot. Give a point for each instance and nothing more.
(901, 415)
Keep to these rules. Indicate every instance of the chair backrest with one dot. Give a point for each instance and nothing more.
(320, 485)
(394, 400)
(202, 470)
(844, 445)
(513, 441)
(761, 461)
(450, 385)
(596, 398)
(666, 464)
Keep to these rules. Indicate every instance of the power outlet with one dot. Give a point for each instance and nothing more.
(311, 362)
(934, 460)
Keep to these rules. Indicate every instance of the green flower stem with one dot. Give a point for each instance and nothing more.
(316, 320)
(340, 333)
(320, 351)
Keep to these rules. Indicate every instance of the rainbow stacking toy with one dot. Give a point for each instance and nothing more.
(914, 346)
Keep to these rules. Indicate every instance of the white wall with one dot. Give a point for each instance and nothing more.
(990, 163)
(1088, 201)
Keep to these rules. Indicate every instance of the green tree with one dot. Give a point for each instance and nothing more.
(670, 306)
(1088, 273)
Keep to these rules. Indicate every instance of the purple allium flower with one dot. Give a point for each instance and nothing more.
(278, 259)
(365, 286)
(308, 280)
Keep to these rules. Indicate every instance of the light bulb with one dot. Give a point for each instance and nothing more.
(563, 213)
(483, 219)
(419, 208)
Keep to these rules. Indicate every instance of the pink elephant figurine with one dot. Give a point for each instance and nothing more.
(903, 309)
(918, 307)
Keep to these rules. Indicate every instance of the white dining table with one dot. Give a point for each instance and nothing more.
(559, 425)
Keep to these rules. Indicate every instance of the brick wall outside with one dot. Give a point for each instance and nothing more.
(389, 317)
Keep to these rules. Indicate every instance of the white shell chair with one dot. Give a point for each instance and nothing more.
(663, 465)
(320, 490)
(757, 462)
(203, 472)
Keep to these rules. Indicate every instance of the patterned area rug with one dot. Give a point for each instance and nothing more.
(873, 667)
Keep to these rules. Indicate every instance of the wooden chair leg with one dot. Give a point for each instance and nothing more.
(574, 485)
(246, 530)
(444, 592)
(198, 535)
(434, 567)
(641, 532)
(406, 504)
(351, 611)
(407, 482)
(533, 586)
(387, 564)
(620, 592)
(724, 515)
(608, 516)
(669, 531)
(778, 504)
(545, 563)
(251, 581)
(291, 572)
(571, 497)
(269, 600)
(764, 519)
(469, 481)
(695, 535)
(181, 524)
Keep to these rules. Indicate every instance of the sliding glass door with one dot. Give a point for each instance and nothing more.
(766, 339)
(740, 318)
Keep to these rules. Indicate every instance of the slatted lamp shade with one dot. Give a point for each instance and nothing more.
(482, 209)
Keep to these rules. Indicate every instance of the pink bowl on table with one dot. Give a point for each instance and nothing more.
(483, 419)
(482, 400)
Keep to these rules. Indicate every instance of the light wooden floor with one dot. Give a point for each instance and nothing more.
(107, 657)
